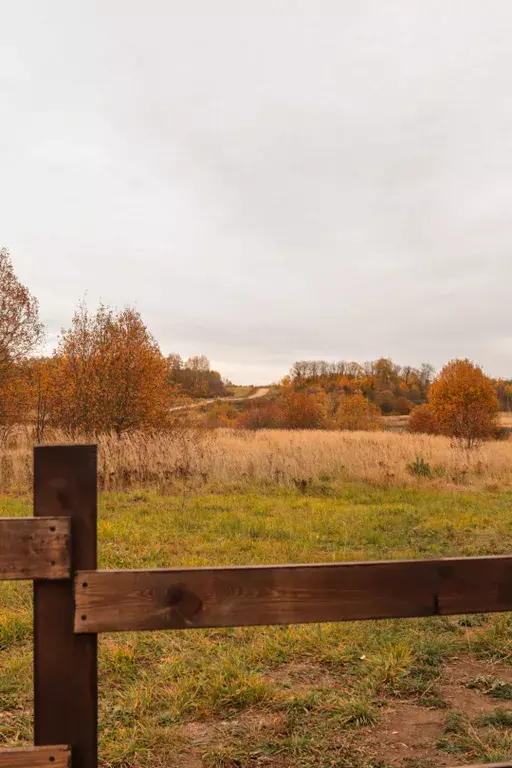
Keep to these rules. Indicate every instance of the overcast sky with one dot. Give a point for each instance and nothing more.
(266, 180)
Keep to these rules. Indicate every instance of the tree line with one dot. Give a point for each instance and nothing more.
(107, 374)
(460, 402)
(395, 389)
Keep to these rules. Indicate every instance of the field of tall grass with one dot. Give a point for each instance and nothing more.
(198, 460)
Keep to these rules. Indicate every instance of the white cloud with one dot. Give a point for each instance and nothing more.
(266, 181)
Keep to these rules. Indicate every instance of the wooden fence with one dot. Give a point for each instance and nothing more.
(73, 601)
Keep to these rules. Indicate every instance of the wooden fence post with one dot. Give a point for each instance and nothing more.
(65, 664)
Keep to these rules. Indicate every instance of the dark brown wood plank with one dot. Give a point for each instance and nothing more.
(292, 594)
(486, 765)
(34, 548)
(65, 664)
(35, 757)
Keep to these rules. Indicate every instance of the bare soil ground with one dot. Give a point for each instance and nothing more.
(407, 735)
(409, 732)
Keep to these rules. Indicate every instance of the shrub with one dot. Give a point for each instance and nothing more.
(423, 420)
(401, 406)
(356, 413)
(384, 400)
(260, 414)
(302, 410)
(222, 415)
(420, 468)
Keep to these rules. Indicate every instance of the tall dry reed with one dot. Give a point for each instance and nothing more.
(189, 460)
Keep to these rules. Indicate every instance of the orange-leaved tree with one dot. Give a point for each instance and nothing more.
(15, 399)
(20, 328)
(40, 380)
(356, 413)
(423, 420)
(464, 402)
(20, 333)
(110, 375)
(301, 410)
(261, 414)
(402, 406)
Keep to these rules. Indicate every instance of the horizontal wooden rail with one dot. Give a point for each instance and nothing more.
(35, 757)
(35, 548)
(486, 765)
(109, 601)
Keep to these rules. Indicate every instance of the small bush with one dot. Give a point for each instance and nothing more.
(423, 420)
(420, 468)
(401, 406)
(356, 413)
(260, 414)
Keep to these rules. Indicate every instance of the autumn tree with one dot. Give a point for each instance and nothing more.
(175, 363)
(301, 410)
(195, 376)
(111, 374)
(401, 406)
(15, 400)
(504, 393)
(20, 333)
(133, 375)
(385, 374)
(76, 374)
(356, 413)
(464, 402)
(427, 373)
(20, 328)
(39, 375)
(385, 400)
(423, 421)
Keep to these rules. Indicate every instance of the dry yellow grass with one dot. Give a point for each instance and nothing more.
(400, 422)
(226, 458)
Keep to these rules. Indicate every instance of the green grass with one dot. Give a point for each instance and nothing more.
(485, 739)
(282, 696)
(492, 686)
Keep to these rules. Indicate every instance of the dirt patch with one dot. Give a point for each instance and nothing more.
(199, 734)
(455, 689)
(408, 732)
(405, 737)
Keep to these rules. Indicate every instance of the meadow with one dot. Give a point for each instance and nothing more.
(410, 693)
(197, 460)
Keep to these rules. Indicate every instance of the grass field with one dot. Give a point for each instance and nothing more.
(191, 461)
(415, 693)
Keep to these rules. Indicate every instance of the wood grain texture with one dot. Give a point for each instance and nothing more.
(65, 664)
(34, 548)
(35, 757)
(486, 765)
(108, 601)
